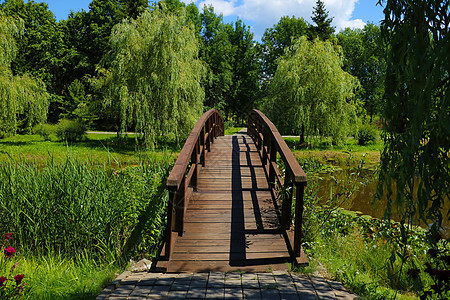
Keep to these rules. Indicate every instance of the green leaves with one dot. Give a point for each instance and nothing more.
(310, 94)
(154, 74)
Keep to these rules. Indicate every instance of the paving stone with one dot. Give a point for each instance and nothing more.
(342, 295)
(120, 293)
(320, 284)
(215, 293)
(252, 294)
(326, 294)
(165, 281)
(159, 291)
(196, 293)
(337, 285)
(307, 295)
(289, 296)
(149, 282)
(216, 283)
(270, 294)
(117, 298)
(140, 291)
(200, 284)
(250, 283)
(233, 293)
(177, 294)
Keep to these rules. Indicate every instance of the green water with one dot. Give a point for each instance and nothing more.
(361, 188)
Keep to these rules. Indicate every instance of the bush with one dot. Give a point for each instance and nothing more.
(45, 130)
(367, 135)
(70, 130)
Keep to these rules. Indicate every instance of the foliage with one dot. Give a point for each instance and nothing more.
(230, 56)
(45, 130)
(364, 58)
(216, 52)
(11, 287)
(323, 29)
(71, 207)
(70, 130)
(367, 134)
(23, 98)
(415, 162)
(153, 75)
(58, 277)
(310, 93)
(277, 38)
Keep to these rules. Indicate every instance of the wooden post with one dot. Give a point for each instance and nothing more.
(169, 227)
(194, 164)
(179, 207)
(202, 148)
(299, 187)
(287, 201)
(272, 159)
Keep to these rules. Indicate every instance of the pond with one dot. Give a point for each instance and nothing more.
(355, 191)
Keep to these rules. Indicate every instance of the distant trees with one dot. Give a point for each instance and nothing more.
(23, 99)
(322, 28)
(230, 56)
(364, 58)
(153, 76)
(276, 39)
(310, 94)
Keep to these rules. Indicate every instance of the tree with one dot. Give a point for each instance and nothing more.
(310, 94)
(245, 68)
(217, 53)
(364, 58)
(154, 75)
(41, 47)
(415, 162)
(23, 100)
(323, 28)
(278, 38)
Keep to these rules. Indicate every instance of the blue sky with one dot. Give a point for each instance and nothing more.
(261, 14)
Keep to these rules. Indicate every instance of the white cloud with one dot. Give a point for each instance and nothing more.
(265, 13)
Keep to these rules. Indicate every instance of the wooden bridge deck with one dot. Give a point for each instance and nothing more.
(231, 221)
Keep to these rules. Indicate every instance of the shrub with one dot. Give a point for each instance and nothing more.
(45, 130)
(367, 135)
(70, 130)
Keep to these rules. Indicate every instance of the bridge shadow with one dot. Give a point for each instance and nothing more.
(239, 244)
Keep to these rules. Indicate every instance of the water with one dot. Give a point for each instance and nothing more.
(361, 200)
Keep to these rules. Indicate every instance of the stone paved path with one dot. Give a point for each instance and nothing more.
(216, 285)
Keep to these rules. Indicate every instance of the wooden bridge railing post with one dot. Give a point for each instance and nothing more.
(184, 175)
(270, 143)
(299, 191)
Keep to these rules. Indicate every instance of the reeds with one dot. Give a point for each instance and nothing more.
(70, 207)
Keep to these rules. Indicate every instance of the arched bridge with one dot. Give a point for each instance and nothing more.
(231, 207)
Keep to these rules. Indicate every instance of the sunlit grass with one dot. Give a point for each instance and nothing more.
(97, 148)
(53, 277)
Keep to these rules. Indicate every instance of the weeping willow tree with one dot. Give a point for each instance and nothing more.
(310, 94)
(23, 99)
(154, 75)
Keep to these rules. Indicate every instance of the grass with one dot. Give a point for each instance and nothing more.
(97, 148)
(338, 155)
(52, 277)
(79, 211)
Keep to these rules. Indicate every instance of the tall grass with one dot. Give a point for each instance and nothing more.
(71, 207)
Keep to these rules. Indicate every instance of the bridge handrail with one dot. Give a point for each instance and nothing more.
(270, 142)
(182, 179)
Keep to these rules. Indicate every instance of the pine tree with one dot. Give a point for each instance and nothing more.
(323, 28)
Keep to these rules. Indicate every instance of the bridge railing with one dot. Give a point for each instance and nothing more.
(270, 144)
(182, 179)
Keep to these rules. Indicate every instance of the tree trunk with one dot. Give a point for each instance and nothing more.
(302, 135)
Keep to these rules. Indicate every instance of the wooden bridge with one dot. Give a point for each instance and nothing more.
(230, 205)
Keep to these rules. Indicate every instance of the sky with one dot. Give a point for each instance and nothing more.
(262, 14)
